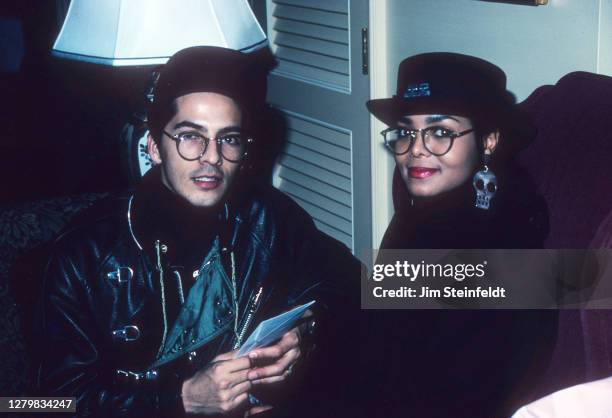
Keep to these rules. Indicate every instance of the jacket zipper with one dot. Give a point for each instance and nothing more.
(249, 314)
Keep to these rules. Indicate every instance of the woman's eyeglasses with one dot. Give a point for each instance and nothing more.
(437, 140)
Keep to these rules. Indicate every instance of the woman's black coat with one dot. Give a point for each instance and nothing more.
(458, 363)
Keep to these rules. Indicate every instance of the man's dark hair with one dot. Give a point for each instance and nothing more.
(164, 113)
(157, 120)
(240, 76)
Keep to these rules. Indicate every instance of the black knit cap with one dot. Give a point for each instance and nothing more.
(455, 84)
(240, 76)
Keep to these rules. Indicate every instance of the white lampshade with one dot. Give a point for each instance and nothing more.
(148, 32)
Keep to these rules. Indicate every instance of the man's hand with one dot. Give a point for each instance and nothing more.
(221, 388)
(279, 358)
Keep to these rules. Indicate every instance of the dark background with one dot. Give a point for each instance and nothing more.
(60, 143)
(61, 120)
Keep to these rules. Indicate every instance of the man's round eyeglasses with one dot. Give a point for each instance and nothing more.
(192, 146)
(437, 140)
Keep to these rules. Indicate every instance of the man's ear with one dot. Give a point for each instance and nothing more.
(153, 150)
(490, 142)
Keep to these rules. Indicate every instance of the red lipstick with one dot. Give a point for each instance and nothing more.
(421, 172)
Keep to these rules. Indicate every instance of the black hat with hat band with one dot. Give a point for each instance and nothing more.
(455, 84)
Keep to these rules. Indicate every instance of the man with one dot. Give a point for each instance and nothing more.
(147, 298)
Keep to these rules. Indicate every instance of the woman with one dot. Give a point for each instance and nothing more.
(453, 129)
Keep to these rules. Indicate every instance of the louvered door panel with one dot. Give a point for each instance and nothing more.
(315, 170)
(320, 88)
(310, 39)
(301, 166)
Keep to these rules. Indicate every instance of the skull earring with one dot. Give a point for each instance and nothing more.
(485, 184)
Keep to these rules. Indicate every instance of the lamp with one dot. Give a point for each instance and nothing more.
(147, 32)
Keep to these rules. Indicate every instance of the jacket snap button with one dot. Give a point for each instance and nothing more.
(127, 333)
(121, 275)
(151, 375)
(164, 248)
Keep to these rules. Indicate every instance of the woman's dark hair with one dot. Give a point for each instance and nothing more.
(482, 129)
(511, 175)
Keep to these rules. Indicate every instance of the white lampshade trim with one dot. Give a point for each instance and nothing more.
(148, 32)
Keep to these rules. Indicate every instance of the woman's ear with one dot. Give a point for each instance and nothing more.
(153, 150)
(490, 142)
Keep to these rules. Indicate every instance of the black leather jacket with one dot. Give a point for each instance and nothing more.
(103, 304)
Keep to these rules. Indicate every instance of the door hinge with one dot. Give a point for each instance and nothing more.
(365, 51)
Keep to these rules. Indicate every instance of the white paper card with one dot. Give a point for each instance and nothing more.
(272, 329)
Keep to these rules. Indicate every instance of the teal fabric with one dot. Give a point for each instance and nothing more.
(207, 312)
